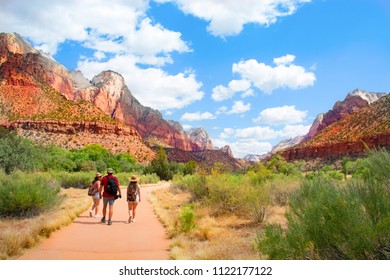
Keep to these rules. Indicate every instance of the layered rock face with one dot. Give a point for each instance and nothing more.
(368, 126)
(107, 90)
(74, 135)
(337, 150)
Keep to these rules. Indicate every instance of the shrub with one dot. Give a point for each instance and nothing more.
(187, 218)
(328, 220)
(17, 153)
(78, 180)
(24, 195)
(193, 183)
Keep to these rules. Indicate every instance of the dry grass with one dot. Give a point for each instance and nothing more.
(17, 235)
(215, 237)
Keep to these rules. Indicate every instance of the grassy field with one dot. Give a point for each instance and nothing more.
(198, 233)
(17, 235)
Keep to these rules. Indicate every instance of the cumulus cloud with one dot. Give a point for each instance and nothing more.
(221, 92)
(50, 23)
(284, 60)
(240, 107)
(291, 131)
(228, 17)
(197, 116)
(281, 115)
(268, 78)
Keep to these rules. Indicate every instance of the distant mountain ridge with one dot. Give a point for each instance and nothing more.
(352, 104)
(359, 126)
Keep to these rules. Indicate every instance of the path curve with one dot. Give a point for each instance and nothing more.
(89, 239)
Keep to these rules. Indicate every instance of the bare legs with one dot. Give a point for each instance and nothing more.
(132, 211)
(95, 206)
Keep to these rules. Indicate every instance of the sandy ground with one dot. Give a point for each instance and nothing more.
(89, 239)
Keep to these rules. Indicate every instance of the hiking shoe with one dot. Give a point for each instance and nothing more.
(96, 216)
(133, 220)
(103, 220)
(109, 222)
(130, 219)
(90, 213)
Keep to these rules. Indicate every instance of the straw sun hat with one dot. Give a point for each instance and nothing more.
(133, 179)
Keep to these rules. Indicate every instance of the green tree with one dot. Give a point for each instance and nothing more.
(18, 153)
(160, 165)
(190, 167)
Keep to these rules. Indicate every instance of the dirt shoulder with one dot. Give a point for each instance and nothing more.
(89, 239)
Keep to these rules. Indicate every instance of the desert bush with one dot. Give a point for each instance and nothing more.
(17, 153)
(228, 193)
(78, 180)
(281, 188)
(24, 195)
(193, 183)
(187, 218)
(330, 220)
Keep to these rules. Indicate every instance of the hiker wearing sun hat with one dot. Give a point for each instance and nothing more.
(95, 195)
(133, 197)
(110, 187)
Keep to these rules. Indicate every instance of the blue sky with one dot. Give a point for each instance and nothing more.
(250, 72)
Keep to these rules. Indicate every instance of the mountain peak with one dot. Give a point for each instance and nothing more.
(370, 97)
(16, 44)
(200, 137)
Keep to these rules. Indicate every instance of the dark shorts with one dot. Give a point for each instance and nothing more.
(109, 200)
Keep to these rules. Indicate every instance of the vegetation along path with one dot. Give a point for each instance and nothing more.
(89, 239)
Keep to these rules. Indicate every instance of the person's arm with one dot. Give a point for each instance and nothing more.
(139, 192)
(101, 188)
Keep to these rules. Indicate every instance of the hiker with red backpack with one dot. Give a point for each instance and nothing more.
(110, 188)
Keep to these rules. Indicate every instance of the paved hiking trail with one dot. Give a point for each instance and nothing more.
(89, 239)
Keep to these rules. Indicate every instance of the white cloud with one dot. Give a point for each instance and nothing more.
(153, 39)
(268, 78)
(151, 86)
(187, 127)
(256, 132)
(221, 110)
(281, 115)
(291, 131)
(221, 93)
(197, 116)
(239, 107)
(227, 133)
(284, 60)
(50, 23)
(229, 16)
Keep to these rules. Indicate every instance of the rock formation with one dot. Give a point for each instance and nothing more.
(107, 90)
